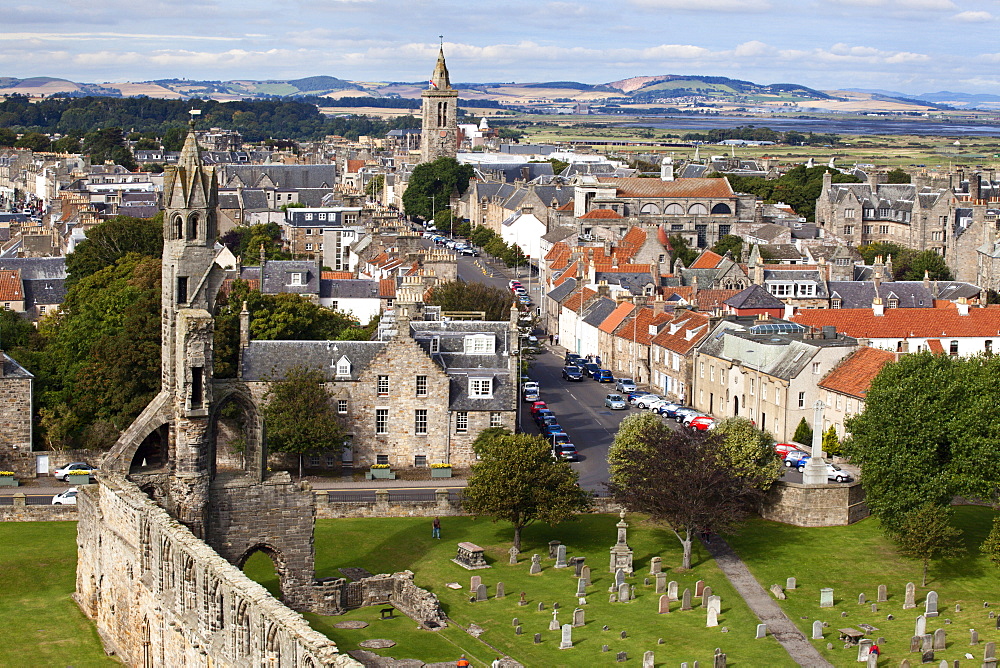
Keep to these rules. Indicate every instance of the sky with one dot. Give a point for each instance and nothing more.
(910, 46)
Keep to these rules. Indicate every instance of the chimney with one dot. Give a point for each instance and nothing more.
(863, 343)
(927, 280)
(878, 308)
(962, 306)
(873, 182)
(827, 181)
(659, 305)
(789, 310)
(975, 187)
(604, 290)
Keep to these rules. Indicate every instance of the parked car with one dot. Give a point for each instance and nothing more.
(538, 406)
(615, 402)
(531, 386)
(625, 385)
(796, 459)
(468, 251)
(512, 283)
(604, 376)
(682, 413)
(590, 368)
(703, 423)
(524, 300)
(566, 452)
(834, 472)
(657, 403)
(571, 358)
(572, 373)
(61, 474)
(530, 395)
(668, 409)
(646, 400)
(783, 449)
(551, 428)
(560, 438)
(67, 498)
(542, 415)
(686, 421)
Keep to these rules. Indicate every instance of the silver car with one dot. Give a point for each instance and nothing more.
(615, 402)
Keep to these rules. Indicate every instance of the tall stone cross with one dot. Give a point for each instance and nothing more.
(815, 469)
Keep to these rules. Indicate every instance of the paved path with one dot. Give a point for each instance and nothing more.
(778, 623)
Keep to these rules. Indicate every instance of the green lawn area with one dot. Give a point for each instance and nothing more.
(856, 559)
(41, 624)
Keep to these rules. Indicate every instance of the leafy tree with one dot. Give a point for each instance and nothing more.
(245, 242)
(991, 546)
(680, 250)
(67, 144)
(803, 433)
(437, 180)
(298, 415)
(7, 137)
(630, 436)
(461, 296)
(110, 241)
(374, 187)
(109, 145)
(907, 264)
(749, 451)
(558, 165)
(518, 481)
(36, 141)
(684, 481)
(731, 243)
(930, 262)
(831, 444)
(898, 176)
(173, 138)
(15, 331)
(926, 533)
(799, 187)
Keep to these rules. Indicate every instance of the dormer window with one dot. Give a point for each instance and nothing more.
(480, 344)
(835, 303)
(893, 302)
(343, 367)
(296, 278)
(481, 387)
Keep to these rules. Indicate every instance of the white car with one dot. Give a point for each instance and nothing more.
(625, 385)
(531, 386)
(67, 498)
(646, 401)
(61, 474)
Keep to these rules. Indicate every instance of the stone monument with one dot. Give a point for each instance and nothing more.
(621, 553)
(815, 470)
(470, 556)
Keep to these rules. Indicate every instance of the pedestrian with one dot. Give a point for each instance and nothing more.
(550, 339)
(557, 339)
(462, 661)
(496, 662)
(436, 530)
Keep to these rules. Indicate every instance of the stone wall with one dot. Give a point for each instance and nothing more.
(442, 506)
(816, 505)
(161, 597)
(15, 422)
(23, 513)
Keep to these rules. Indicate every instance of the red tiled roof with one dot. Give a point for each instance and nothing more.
(855, 373)
(710, 299)
(636, 327)
(934, 345)
(639, 187)
(679, 342)
(568, 206)
(707, 260)
(578, 298)
(355, 166)
(599, 214)
(336, 275)
(10, 285)
(227, 285)
(387, 288)
(617, 316)
(901, 323)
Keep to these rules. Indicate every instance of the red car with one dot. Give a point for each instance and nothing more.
(537, 406)
(702, 423)
(783, 449)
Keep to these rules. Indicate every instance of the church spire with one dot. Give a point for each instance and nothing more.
(440, 80)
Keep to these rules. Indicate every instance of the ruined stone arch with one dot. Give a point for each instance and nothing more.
(241, 629)
(276, 556)
(152, 452)
(234, 408)
(189, 584)
(272, 644)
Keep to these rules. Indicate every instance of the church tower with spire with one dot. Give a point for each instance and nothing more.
(439, 128)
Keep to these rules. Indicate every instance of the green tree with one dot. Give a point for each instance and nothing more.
(630, 436)
(803, 433)
(930, 262)
(109, 145)
(558, 165)
(431, 185)
(748, 451)
(67, 144)
(374, 187)
(15, 331)
(927, 533)
(517, 480)
(298, 415)
(461, 296)
(898, 176)
(173, 138)
(35, 141)
(680, 250)
(730, 243)
(245, 242)
(991, 546)
(831, 444)
(110, 241)
(7, 137)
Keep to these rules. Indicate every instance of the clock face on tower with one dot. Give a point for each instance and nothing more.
(443, 133)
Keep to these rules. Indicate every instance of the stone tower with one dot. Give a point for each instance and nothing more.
(439, 128)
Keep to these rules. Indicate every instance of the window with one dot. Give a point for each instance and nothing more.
(436, 344)
(866, 229)
(701, 370)
(777, 396)
(496, 419)
(480, 344)
(344, 366)
(988, 344)
(850, 406)
(838, 402)
(807, 289)
(848, 213)
(802, 399)
(309, 216)
(382, 387)
(321, 216)
(420, 422)
(342, 406)
(835, 303)
(309, 231)
(462, 422)
(296, 277)
(41, 311)
(953, 348)
(752, 386)
(421, 386)
(711, 372)
(763, 391)
(382, 459)
(335, 305)
(816, 367)
(848, 229)
(182, 291)
(309, 247)
(420, 461)
(893, 303)
(481, 387)
(382, 421)
(780, 289)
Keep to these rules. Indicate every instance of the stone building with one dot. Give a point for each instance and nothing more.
(439, 116)
(673, 353)
(845, 389)
(16, 386)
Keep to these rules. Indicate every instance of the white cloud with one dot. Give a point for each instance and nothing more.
(973, 17)
(90, 36)
(901, 5)
(735, 6)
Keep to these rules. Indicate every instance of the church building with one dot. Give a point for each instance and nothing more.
(439, 133)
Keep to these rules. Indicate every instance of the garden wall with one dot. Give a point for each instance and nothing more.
(816, 505)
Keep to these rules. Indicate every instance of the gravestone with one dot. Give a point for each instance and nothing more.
(582, 600)
(883, 594)
(826, 597)
(538, 638)
(874, 607)
(655, 565)
(915, 643)
(905, 663)
(699, 587)
(973, 637)
(501, 593)
(613, 598)
(619, 578)
(778, 592)
(474, 583)
(926, 642)
(715, 602)
(958, 607)
(522, 600)
(931, 604)
(515, 622)
(581, 587)
(605, 648)
(623, 635)
(647, 660)
(940, 639)
(554, 622)
(561, 557)
(864, 649)
(622, 657)
(645, 582)
(567, 637)
(872, 661)
(518, 630)
(470, 557)
(664, 604)
(686, 599)
(927, 656)
(672, 590)
(861, 599)
(817, 630)
(553, 548)
(578, 566)
(909, 600)
(512, 552)
(990, 652)
(481, 593)
(578, 617)
(541, 606)
(921, 626)
(790, 583)
(623, 593)
(712, 618)
(585, 574)
(661, 583)
(761, 631)
(555, 606)
(705, 595)
(536, 565)
(621, 553)
(719, 661)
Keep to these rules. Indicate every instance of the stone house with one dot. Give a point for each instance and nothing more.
(631, 352)
(16, 387)
(11, 290)
(845, 389)
(673, 353)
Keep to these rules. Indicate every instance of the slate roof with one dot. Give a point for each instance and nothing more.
(12, 369)
(32, 268)
(598, 311)
(44, 291)
(754, 297)
(357, 288)
(277, 272)
(265, 359)
(283, 176)
(855, 373)
(860, 294)
(563, 290)
(901, 323)
(789, 353)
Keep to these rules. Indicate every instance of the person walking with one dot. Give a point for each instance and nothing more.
(550, 339)
(436, 529)
(462, 662)
(557, 339)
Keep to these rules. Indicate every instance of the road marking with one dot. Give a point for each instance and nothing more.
(573, 395)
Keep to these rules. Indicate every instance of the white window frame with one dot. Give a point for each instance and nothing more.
(381, 421)
(481, 388)
(480, 344)
(496, 419)
(420, 421)
(461, 422)
(420, 386)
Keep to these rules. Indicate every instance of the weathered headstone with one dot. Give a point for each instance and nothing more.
(554, 622)
(672, 590)
(622, 657)
(582, 600)
(512, 552)
(817, 630)
(538, 638)
(470, 557)
(861, 599)
(578, 617)
(872, 661)
(581, 587)
(778, 592)
(515, 622)
(973, 637)
(655, 565)
(613, 598)
(686, 599)
(555, 606)
(874, 607)
(621, 553)
(915, 643)
(712, 618)
(623, 593)
(719, 661)
(826, 597)
(623, 635)
(541, 606)
(578, 566)
(664, 604)
(926, 642)
(536, 565)
(909, 600)
(474, 583)
(790, 583)
(761, 631)
(522, 600)
(561, 557)
(927, 656)
(921, 626)
(501, 592)
(645, 582)
(990, 651)
(699, 587)
(931, 604)
(481, 594)
(905, 663)
(585, 574)
(661, 583)
(705, 595)
(553, 547)
(518, 630)
(619, 578)
(940, 639)
(647, 660)
(864, 649)
(715, 602)
(566, 642)
(958, 607)
(605, 648)
(883, 594)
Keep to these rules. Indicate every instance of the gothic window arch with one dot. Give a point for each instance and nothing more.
(697, 209)
(674, 209)
(721, 208)
(192, 226)
(178, 225)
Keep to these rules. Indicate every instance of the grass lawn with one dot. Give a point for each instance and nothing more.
(856, 559)
(41, 624)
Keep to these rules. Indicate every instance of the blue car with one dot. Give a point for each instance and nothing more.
(551, 428)
(797, 459)
(670, 410)
(542, 414)
(604, 376)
